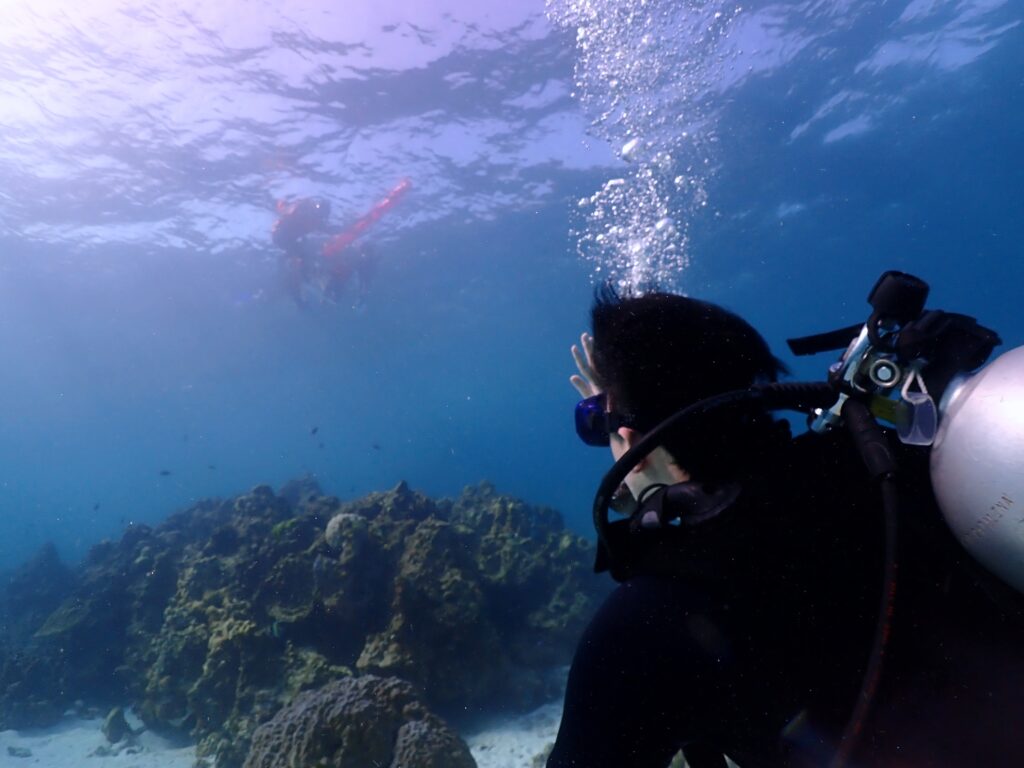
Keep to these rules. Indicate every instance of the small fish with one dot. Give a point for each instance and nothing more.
(95, 506)
(164, 472)
(321, 445)
(375, 447)
(314, 430)
(211, 466)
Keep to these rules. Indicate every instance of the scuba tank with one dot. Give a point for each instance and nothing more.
(977, 464)
(921, 371)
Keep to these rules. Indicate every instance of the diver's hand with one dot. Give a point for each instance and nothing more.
(585, 382)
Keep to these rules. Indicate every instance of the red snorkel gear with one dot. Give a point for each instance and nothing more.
(304, 217)
(343, 239)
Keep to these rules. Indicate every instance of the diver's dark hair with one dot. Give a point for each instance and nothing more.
(659, 352)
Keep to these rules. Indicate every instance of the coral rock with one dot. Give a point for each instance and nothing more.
(214, 620)
(360, 721)
(115, 727)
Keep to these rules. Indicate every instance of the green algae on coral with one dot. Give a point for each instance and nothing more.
(214, 620)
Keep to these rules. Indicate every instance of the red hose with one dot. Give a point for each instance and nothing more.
(342, 240)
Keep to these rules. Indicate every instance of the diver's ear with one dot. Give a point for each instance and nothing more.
(631, 437)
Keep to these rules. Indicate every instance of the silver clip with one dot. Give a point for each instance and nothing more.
(923, 417)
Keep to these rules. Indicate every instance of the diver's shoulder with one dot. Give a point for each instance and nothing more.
(815, 455)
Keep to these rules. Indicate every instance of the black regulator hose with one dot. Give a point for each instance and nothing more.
(772, 397)
(877, 456)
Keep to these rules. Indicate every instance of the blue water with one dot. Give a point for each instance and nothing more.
(143, 327)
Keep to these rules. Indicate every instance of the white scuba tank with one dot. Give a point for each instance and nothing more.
(977, 464)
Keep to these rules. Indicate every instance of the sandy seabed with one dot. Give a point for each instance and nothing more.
(520, 742)
(76, 742)
(80, 743)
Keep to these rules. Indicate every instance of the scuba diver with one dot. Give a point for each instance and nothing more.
(326, 268)
(766, 608)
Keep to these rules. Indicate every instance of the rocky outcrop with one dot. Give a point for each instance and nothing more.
(509, 571)
(31, 693)
(358, 721)
(213, 621)
(32, 592)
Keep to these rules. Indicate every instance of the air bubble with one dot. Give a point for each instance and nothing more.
(638, 90)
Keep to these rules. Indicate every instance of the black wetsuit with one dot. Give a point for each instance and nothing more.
(749, 634)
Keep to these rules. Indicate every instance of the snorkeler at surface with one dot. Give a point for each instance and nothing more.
(291, 234)
(749, 577)
(326, 268)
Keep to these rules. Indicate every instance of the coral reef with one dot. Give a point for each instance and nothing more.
(509, 571)
(33, 592)
(30, 691)
(358, 721)
(213, 621)
(33, 692)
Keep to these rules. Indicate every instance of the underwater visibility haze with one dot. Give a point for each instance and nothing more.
(773, 157)
(350, 245)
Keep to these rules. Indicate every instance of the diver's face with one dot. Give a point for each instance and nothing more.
(625, 496)
(621, 440)
(617, 445)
